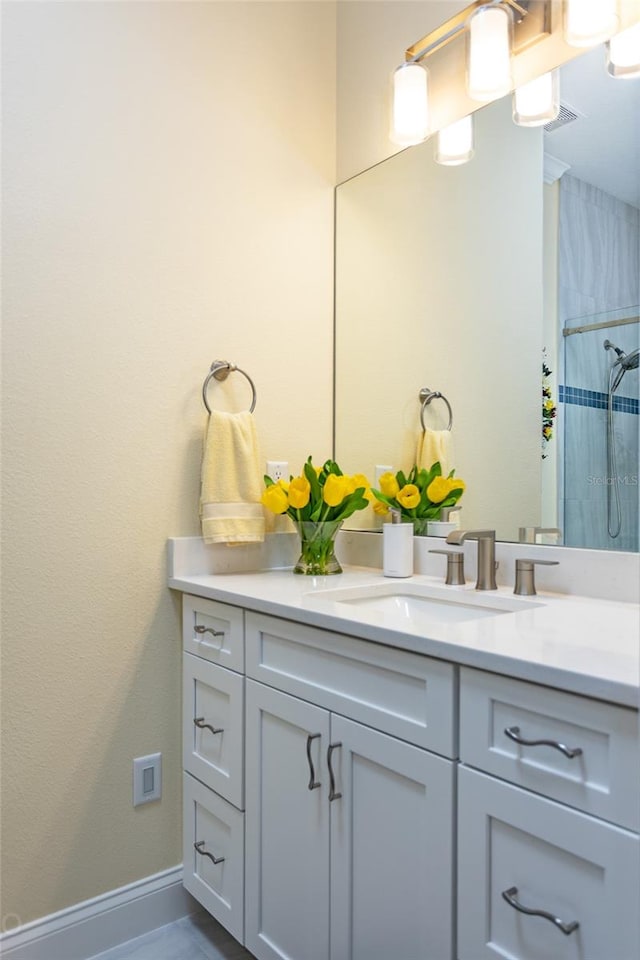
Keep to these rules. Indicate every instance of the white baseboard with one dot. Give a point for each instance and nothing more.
(87, 928)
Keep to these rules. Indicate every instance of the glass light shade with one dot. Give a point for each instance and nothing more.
(588, 22)
(537, 102)
(489, 53)
(623, 53)
(455, 143)
(410, 118)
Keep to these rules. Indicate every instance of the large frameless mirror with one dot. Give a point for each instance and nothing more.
(492, 282)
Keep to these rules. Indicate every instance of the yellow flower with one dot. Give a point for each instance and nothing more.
(455, 483)
(389, 485)
(359, 480)
(284, 484)
(299, 492)
(379, 507)
(275, 499)
(409, 496)
(438, 489)
(335, 489)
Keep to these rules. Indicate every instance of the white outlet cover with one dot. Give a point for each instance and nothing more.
(277, 469)
(147, 778)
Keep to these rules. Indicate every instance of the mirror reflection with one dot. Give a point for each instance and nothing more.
(488, 283)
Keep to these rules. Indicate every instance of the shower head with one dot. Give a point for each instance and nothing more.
(611, 346)
(624, 362)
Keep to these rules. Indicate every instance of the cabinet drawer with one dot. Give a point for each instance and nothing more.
(218, 830)
(401, 693)
(545, 857)
(212, 724)
(603, 779)
(214, 631)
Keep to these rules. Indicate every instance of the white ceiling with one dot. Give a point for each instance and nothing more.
(603, 147)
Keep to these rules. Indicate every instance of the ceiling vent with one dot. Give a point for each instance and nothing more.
(567, 115)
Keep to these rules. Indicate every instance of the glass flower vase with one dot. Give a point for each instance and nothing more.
(420, 527)
(317, 548)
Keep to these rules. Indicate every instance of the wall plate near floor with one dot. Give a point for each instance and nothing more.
(147, 778)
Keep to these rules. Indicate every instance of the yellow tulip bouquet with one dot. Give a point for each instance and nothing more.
(317, 500)
(420, 496)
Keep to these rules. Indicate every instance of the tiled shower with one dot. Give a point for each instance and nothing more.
(599, 295)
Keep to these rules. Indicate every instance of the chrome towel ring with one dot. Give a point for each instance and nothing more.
(220, 370)
(426, 396)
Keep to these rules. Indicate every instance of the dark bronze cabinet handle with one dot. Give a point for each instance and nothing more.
(510, 897)
(201, 629)
(205, 853)
(199, 722)
(514, 734)
(332, 780)
(313, 783)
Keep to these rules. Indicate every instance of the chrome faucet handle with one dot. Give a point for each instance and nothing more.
(525, 584)
(529, 534)
(455, 566)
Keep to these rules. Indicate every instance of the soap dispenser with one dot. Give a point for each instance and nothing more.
(397, 547)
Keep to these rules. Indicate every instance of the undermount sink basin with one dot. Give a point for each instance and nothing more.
(415, 603)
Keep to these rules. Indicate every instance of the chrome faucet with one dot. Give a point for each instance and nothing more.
(486, 554)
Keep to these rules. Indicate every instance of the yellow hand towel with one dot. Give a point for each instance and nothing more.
(230, 507)
(435, 445)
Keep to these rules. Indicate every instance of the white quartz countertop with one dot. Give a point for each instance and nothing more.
(578, 644)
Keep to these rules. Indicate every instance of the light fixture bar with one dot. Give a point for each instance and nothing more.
(532, 22)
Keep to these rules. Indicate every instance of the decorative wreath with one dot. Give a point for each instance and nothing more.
(548, 407)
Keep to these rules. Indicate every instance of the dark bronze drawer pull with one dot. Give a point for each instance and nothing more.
(313, 783)
(510, 896)
(205, 853)
(201, 629)
(514, 734)
(332, 781)
(199, 722)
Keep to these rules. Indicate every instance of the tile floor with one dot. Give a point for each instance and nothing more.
(197, 937)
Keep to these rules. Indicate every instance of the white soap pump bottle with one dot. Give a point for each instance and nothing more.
(397, 547)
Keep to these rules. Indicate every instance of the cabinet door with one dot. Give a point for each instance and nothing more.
(544, 857)
(287, 827)
(391, 848)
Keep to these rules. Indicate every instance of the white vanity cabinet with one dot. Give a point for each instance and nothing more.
(349, 831)
(538, 878)
(347, 800)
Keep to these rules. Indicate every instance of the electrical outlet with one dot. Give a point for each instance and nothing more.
(277, 470)
(379, 469)
(147, 778)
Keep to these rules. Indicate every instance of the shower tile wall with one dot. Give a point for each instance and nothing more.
(599, 272)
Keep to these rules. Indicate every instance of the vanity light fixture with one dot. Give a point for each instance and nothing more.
(495, 29)
(623, 53)
(537, 102)
(455, 143)
(489, 53)
(410, 117)
(589, 22)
